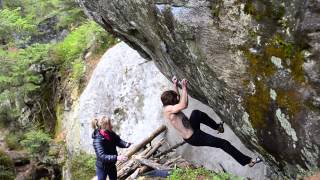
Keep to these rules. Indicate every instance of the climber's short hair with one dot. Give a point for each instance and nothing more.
(169, 98)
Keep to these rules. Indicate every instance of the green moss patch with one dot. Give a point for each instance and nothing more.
(200, 173)
(261, 70)
(216, 8)
(262, 10)
(289, 100)
(258, 105)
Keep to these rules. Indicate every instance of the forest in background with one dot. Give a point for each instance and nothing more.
(43, 45)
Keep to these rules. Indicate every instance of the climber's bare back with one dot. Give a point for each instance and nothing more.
(175, 119)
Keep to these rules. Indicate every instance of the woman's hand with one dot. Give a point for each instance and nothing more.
(122, 158)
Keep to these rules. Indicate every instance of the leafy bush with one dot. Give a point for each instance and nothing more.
(13, 141)
(13, 26)
(70, 52)
(81, 39)
(68, 12)
(200, 173)
(36, 142)
(83, 166)
(20, 76)
(7, 170)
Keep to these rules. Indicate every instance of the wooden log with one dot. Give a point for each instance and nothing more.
(137, 147)
(151, 164)
(134, 175)
(145, 155)
(130, 165)
(155, 148)
(142, 144)
(133, 165)
(123, 164)
(168, 163)
(170, 149)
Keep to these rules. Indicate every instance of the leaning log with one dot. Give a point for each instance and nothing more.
(137, 147)
(142, 144)
(155, 148)
(170, 149)
(151, 164)
(133, 165)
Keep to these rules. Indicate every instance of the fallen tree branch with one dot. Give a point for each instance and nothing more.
(142, 144)
(155, 148)
(170, 149)
(151, 164)
(137, 147)
(131, 165)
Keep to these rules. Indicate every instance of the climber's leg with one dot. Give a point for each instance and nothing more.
(198, 117)
(200, 138)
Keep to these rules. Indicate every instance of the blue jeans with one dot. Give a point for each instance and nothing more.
(110, 171)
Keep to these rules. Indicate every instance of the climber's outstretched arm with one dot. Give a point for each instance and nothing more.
(183, 103)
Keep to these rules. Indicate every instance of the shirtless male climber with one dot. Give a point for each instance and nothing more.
(189, 129)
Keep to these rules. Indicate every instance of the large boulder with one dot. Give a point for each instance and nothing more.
(254, 62)
(127, 88)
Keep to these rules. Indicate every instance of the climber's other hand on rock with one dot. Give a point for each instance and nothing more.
(174, 80)
(184, 83)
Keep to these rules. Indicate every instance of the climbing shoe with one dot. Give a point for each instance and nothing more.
(220, 127)
(254, 162)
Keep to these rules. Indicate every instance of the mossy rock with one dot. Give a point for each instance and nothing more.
(7, 170)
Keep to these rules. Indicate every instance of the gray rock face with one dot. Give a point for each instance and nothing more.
(127, 88)
(255, 63)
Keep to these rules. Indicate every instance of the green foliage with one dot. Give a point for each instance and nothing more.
(26, 69)
(15, 70)
(262, 10)
(70, 52)
(14, 26)
(83, 166)
(81, 39)
(7, 171)
(36, 142)
(78, 70)
(200, 173)
(68, 12)
(13, 140)
(216, 8)
(19, 79)
(8, 114)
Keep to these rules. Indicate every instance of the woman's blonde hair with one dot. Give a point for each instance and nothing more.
(101, 123)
